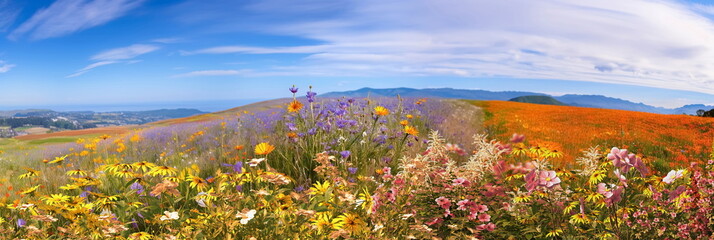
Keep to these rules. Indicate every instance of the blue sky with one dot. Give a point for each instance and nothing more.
(102, 52)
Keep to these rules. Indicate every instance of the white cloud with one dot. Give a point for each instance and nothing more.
(68, 16)
(211, 73)
(124, 52)
(116, 55)
(5, 67)
(660, 43)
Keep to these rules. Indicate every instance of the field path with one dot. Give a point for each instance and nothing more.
(461, 122)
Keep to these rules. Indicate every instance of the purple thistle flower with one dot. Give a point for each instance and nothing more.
(345, 154)
(352, 170)
(293, 89)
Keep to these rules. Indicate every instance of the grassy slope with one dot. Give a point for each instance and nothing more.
(675, 139)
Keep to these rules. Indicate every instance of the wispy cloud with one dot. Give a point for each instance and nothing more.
(205, 73)
(125, 52)
(116, 55)
(610, 41)
(8, 14)
(5, 67)
(68, 16)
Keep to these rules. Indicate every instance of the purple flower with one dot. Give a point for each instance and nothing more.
(237, 167)
(352, 170)
(312, 131)
(133, 223)
(311, 96)
(293, 89)
(138, 187)
(291, 126)
(21, 222)
(299, 189)
(239, 188)
(345, 154)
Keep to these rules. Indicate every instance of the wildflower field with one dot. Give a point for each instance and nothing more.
(389, 168)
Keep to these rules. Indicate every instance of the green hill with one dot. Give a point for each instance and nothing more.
(548, 100)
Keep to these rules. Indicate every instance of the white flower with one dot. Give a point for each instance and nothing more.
(255, 161)
(673, 175)
(26, 206)
(246, 215)
(170, 216)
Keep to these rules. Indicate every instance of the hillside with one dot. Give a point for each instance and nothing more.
(675, 139)
(593, 101)
(547, 100)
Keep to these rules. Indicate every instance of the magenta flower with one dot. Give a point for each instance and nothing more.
(531, 180)
(443, 202)
(464, 204)
(481, 208)
(487, 227)
(548, 179)
(673, 175)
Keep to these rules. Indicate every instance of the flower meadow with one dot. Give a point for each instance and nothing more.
(344, 168)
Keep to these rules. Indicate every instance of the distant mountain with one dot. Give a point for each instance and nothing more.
(593, 101)
(599, 101)
(432, 92)
(692, 109)
(171, 113)
(547, 100)
(22, 113)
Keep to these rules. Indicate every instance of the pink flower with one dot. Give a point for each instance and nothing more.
(548, 179)
(531, 180)
(443, 202)
(481, 208)
(434, 221)
(484, 217)
(625, 161)
(464, 204)
(517, 138)
(611, 195)
(487, 227)
(447, 213)
(673, 175)
(676, 192)
(461, 182)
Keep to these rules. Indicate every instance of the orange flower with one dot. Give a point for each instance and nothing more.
(294, 106)
(264, 148)
(292, 135)
(409, 116)
(410, 130)
(239, 147)
(381, 111)
(404, 122)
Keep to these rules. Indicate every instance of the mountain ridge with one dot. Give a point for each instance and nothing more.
(579, 100)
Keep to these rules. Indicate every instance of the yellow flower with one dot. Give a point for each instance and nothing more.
(30, 190)
(409, 116)
(78, 172)
(124, 174)
(404, 122)
(323, 222)
(264, 149)
(30, 173)
(579, 218)
(143, 166)
(141, 236)
(135, 138)
(59, 159)
(411, 130)
(320, 188)
(55, 199)
(197, 182)
(162, 170)
(350, 222)
(295, 106)
(381, 111)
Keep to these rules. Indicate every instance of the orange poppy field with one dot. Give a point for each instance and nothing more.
(669, 140)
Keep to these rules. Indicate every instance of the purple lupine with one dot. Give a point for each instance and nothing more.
(345, 154)
(21, 222)
(352, 170)
(293, 89)
(311, 96)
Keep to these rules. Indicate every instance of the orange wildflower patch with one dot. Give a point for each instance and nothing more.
(671, 138)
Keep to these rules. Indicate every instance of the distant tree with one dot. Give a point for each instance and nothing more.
(700, 112)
